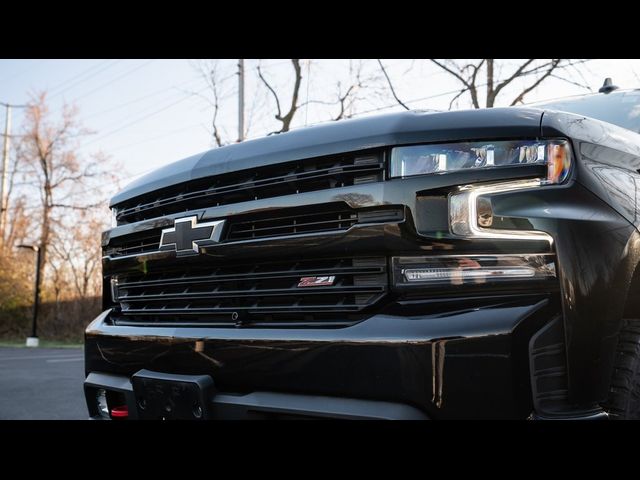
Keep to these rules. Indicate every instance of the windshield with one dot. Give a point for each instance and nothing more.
(619, 108)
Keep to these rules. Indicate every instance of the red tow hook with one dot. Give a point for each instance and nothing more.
(120, 412)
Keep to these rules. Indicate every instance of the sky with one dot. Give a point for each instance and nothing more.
(147, 113)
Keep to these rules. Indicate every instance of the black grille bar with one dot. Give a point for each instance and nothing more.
(292, 224)
(134, 244)
(264, 182)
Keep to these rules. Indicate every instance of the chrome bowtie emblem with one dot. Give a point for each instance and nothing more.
(187, 235)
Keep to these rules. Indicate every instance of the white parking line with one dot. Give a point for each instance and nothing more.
(77, 359)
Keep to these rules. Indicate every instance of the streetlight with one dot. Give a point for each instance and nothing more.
(33, 341)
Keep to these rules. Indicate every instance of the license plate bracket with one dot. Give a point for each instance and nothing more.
(167, 396)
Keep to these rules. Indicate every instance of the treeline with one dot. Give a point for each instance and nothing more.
(56, 202)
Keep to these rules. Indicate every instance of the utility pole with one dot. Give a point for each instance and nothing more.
(5, 165)
(241, 100)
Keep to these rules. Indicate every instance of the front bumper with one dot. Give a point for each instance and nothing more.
(264, 405)
(464, 363)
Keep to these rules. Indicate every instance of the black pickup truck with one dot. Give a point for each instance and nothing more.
(419, 265)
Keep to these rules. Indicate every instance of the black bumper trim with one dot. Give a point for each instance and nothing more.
(265, 405)
(594, 415)
(243, 406)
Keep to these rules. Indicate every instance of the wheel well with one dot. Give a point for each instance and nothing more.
(632, 304)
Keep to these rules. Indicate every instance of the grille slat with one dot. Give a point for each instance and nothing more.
(251, 293)
(192, 296)
(331, 223)
(257, 275)
(263, 182)
(253, 308)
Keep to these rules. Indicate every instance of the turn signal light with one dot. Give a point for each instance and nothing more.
(472, 269)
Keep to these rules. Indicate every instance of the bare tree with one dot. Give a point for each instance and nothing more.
(212, 73)
(79, 250)
(213, 83)
(59, 283)
(285, 118)
(469, 74)
(48, 148)
(347, 94)
(18, 224)
(16, 283)
(346, 99)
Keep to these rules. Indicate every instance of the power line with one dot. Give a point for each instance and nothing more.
(112, 81)
(173, 132)
(138, 120)
(92, 67)
(396, 104)
(149, 107)
(139, 99)
(106, 67)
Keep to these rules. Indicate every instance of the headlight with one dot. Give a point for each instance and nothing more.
(448, 157)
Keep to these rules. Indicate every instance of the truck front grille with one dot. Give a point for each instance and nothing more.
(252, 184)
(259, 294)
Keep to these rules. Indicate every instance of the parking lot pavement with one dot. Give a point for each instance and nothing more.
(42, 384)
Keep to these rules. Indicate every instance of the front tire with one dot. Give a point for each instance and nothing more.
(624, 391)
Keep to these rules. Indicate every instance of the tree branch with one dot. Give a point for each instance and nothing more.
(447, 69)
(490, 91)
(515, 75)
(553, 66)
(458, 95)
(294, 96)
(273, 92)
(470, 83)
(393, 91)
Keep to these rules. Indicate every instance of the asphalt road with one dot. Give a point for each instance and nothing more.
(42, 384)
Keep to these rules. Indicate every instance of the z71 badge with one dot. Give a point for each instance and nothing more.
(317, 281)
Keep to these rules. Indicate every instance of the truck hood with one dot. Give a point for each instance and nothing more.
(343, 136)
